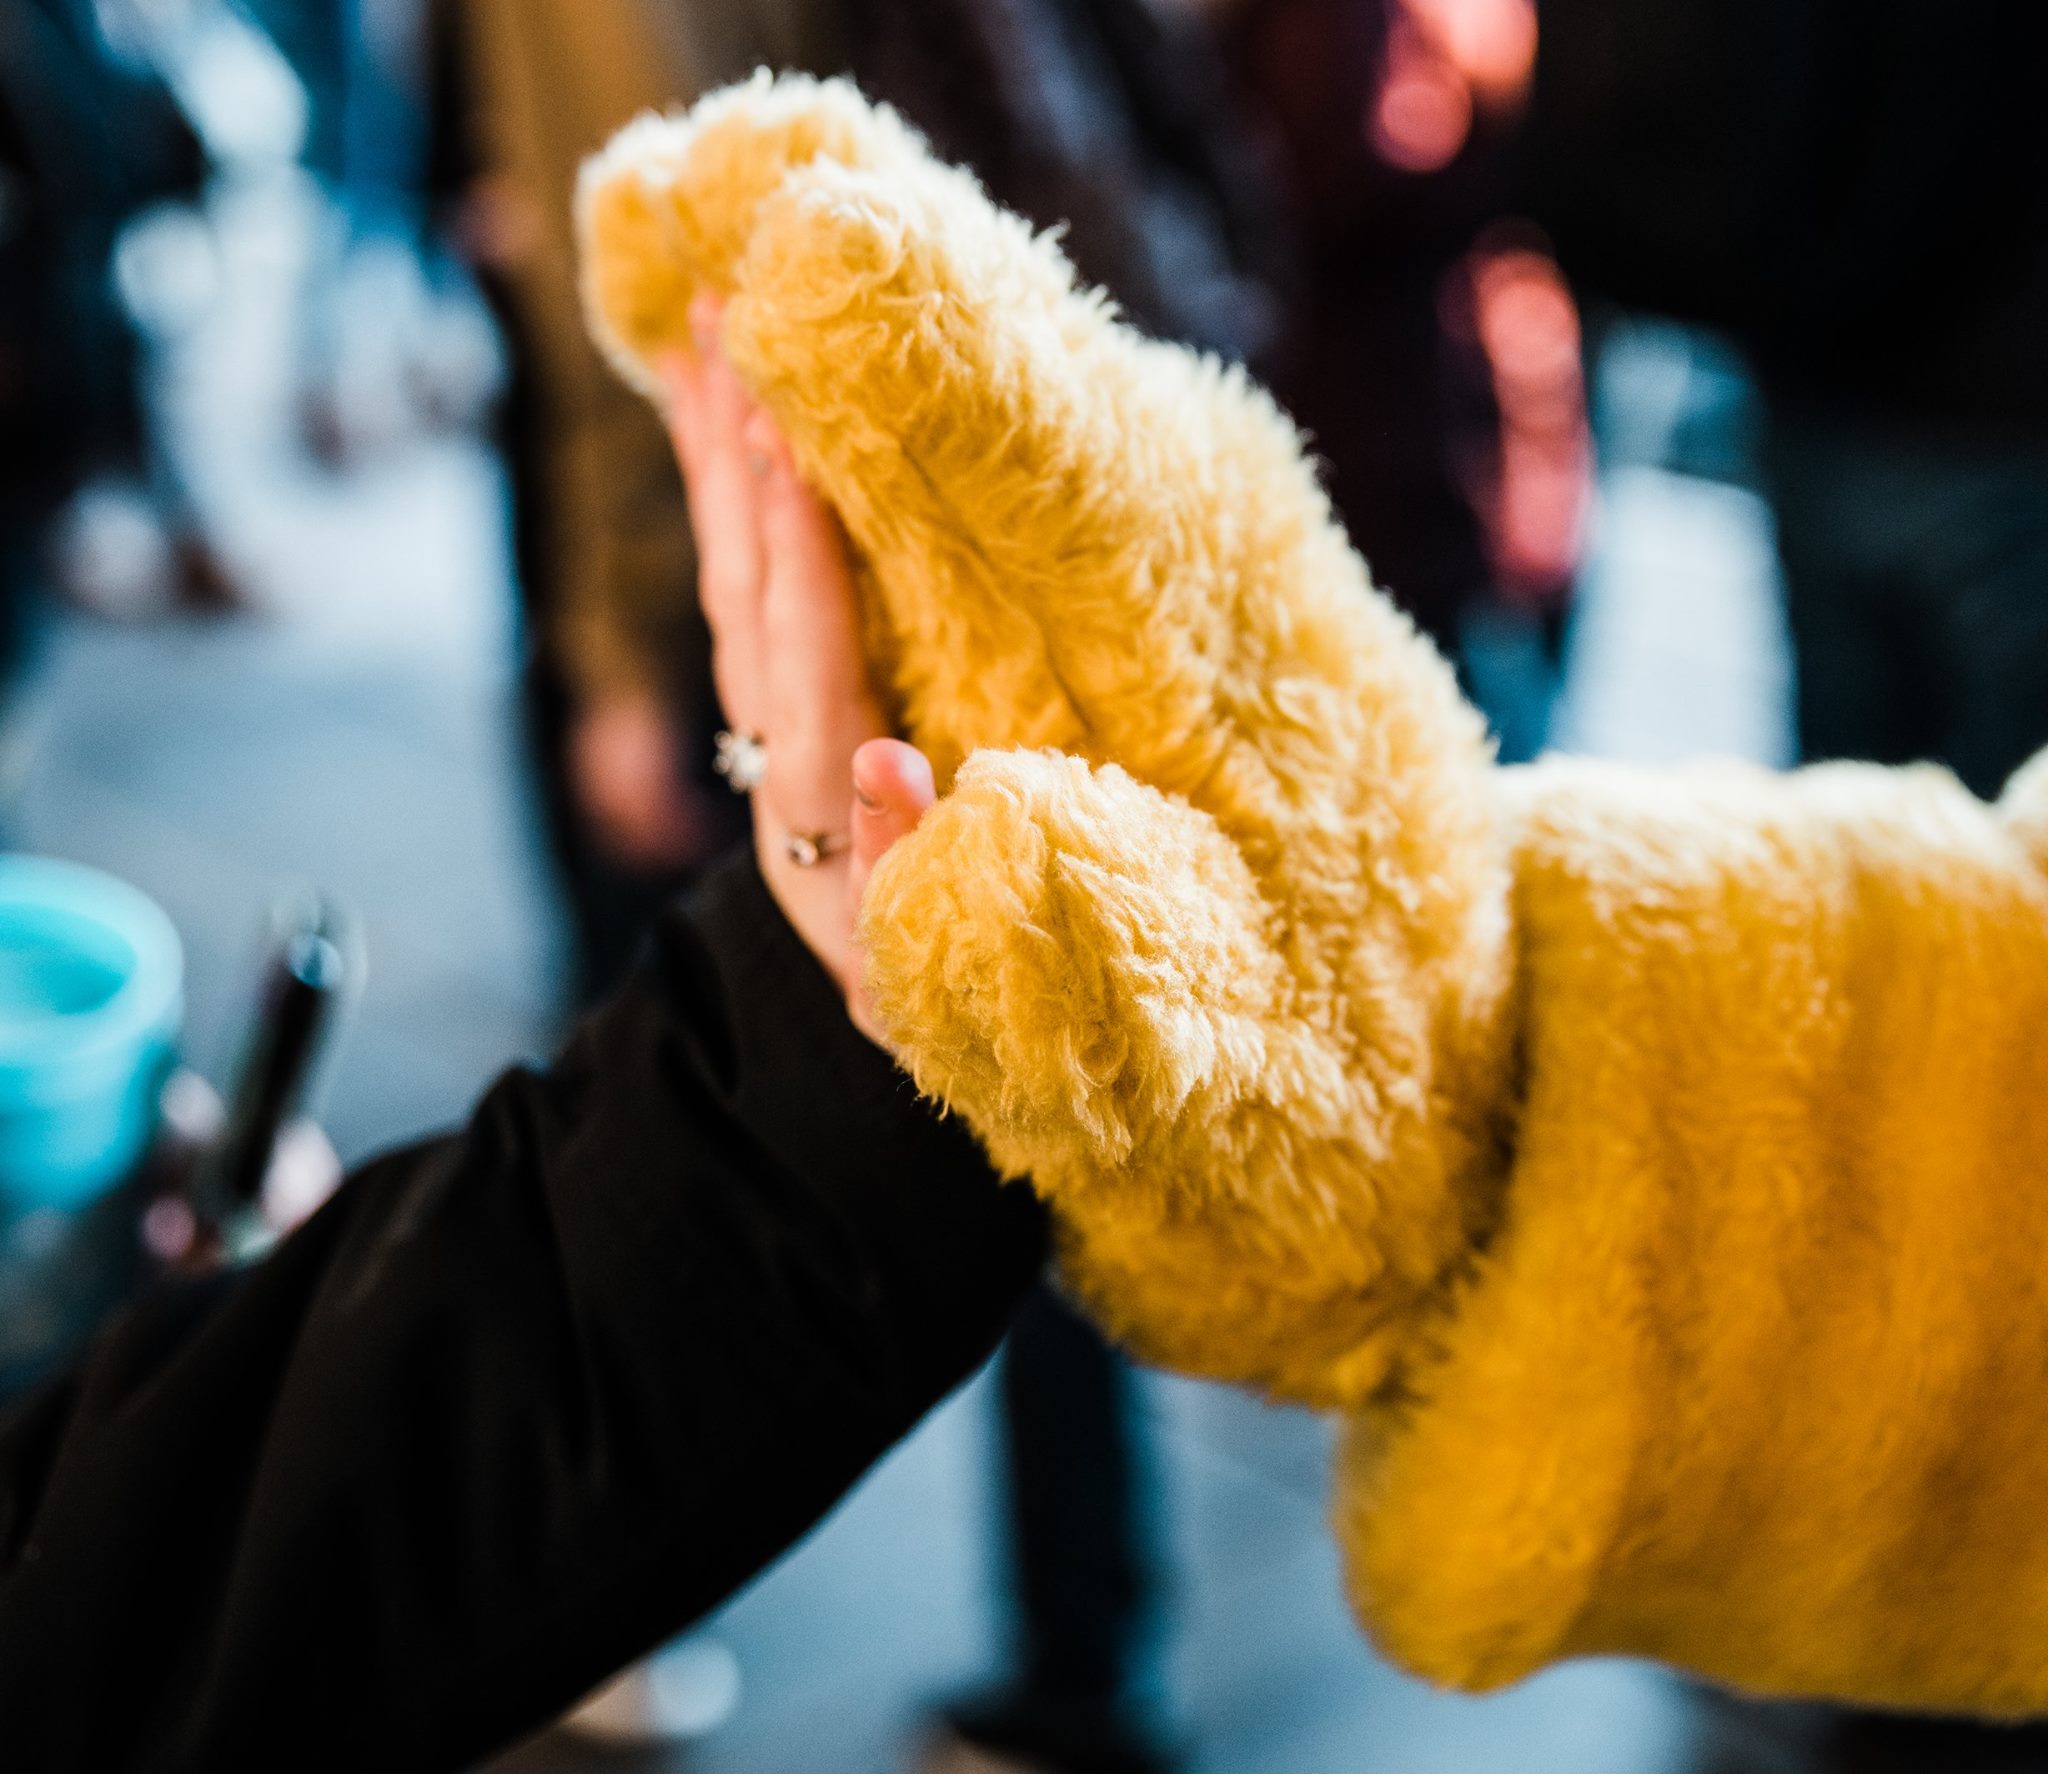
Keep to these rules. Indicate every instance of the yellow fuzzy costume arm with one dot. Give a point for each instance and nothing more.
(1071, 537)
(1653, 1167)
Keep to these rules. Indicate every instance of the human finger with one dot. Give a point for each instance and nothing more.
(892, 787)
(820, 706)
(708, 414)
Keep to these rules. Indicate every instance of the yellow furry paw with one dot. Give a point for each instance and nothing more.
(668, 208)
(1086, 969)
(1073, 961)
(1231, 990)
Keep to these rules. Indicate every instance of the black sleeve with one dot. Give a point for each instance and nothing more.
(517, 1404)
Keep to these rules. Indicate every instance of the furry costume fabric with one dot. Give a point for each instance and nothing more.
(1651, 1167)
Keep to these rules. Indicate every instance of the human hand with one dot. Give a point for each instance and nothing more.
(779, 600)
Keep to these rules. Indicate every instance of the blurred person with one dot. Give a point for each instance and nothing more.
(617, 691)
(1906, 386)
(1916, 576)
(390, 343)
(1430, 347)
(1859, 197)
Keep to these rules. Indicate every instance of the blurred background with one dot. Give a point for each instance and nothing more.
(1683, 369)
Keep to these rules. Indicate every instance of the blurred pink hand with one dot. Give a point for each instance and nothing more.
(626, 772)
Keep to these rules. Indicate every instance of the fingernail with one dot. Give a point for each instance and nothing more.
(759, 463)
(863, 797)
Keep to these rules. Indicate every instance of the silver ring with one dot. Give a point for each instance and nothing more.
(741, 758)
(808, 849)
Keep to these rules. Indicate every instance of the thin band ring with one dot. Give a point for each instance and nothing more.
(808, 849)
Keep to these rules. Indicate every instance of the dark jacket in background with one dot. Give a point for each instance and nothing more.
(1856, 189)
(1362, 358)
(1108, 118)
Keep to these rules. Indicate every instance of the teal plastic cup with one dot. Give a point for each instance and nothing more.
(92, 993)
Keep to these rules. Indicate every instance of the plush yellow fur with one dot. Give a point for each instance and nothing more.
(1650, 1166)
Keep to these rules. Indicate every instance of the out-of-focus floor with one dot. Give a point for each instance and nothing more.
(359, 735)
